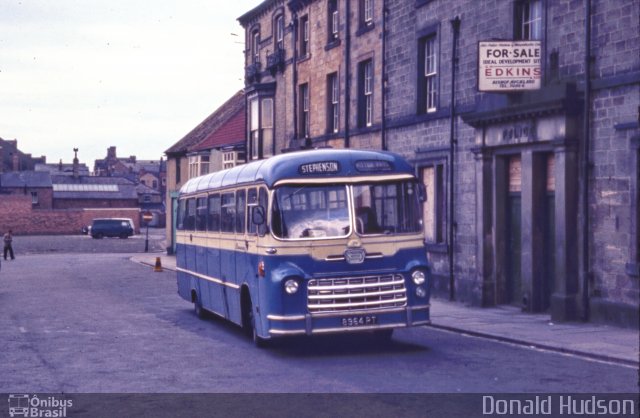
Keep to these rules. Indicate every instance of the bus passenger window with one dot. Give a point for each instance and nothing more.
(190, 215)
(228, 213)
(214, 213)
(201, 214)
(182, 210)
(252, 201)
(263, 200)
(240, 211)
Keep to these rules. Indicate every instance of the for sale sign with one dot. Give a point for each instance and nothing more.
(505, 66)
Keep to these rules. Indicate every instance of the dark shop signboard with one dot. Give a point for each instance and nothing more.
(505, 66)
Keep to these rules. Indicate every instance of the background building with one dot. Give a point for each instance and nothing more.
(218, 142)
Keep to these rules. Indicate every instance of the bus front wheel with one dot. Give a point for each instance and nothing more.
(249, 321)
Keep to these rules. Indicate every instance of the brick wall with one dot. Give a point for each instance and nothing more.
(17, 214)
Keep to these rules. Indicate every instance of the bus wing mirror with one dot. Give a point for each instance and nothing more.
(258, 215)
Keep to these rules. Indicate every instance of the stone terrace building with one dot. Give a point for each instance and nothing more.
(532, 194)
(313, 75)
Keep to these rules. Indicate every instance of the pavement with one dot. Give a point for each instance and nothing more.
(509, 324)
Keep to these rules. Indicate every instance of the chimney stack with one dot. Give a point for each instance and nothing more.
(76, 164)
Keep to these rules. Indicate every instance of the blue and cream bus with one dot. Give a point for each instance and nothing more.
(310, 242)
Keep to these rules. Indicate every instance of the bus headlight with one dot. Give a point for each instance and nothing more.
(291, 286)
(418, 277)
(421, 292)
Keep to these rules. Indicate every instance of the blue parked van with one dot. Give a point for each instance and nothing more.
(112, 227)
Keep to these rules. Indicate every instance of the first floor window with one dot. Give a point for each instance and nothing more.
(304, 36)
(266, 119)
(333, 20)
(254, 128)
(365, 96)
(333, 103)
(428, 75)
(366, 12)
(529, 20)
(198, 165)
(260, 127)
(304, 111)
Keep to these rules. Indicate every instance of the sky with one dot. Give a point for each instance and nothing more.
(134, 74)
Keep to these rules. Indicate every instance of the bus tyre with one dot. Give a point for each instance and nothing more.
(198, 309)
(249, 322)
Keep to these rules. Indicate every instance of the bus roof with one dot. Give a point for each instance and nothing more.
(304, 165)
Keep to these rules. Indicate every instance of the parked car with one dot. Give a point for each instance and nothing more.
(111, 227)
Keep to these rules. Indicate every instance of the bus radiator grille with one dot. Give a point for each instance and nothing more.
(356, 293)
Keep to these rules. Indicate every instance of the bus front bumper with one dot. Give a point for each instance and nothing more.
(353, 321)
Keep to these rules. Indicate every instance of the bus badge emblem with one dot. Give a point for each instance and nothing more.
(354, 255)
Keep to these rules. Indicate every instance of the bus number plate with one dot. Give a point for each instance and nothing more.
(359, 321)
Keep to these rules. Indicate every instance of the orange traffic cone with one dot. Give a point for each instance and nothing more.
(158, 266)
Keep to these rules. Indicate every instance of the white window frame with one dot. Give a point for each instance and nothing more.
(368, 93)
(306, 122)
(431, 74)
(335, 103)
(531, 20)
(368, 12)
(255, 46)
(280, 32)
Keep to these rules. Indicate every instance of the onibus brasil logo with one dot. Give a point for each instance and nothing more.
(24, 405)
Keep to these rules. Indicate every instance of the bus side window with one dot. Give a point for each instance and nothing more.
(190, 215)
(214, 213)
(252, 201)
(228, 212)
(263, 200)
(276, 219)
(201, 214)
(182, 210)
(240, 211)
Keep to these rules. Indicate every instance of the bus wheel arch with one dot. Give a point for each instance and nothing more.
(248, 317)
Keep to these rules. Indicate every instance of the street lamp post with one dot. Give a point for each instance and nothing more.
(146, 218)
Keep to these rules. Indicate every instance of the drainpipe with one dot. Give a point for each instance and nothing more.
(294, 22)
(347, 75)
(455, 25)
(586, 119)
(383, 136)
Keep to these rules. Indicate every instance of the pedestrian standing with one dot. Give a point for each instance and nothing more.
(8, 239)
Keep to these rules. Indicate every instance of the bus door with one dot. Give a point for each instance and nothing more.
(241, 248)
